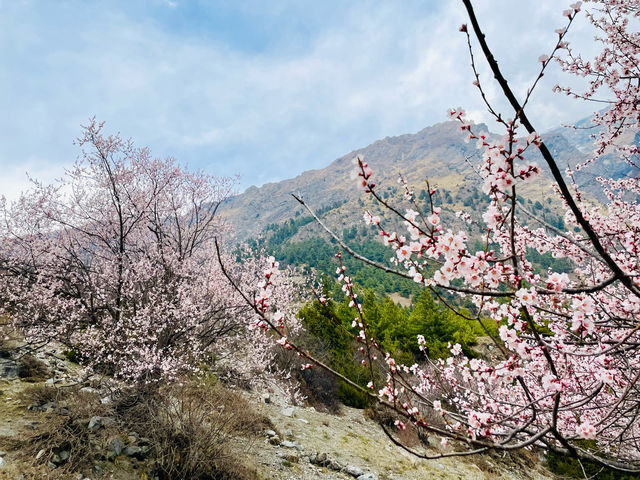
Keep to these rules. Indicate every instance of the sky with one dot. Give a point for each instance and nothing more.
(264, 90)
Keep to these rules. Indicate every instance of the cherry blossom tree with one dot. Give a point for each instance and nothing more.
(565, 375)
(116, 261)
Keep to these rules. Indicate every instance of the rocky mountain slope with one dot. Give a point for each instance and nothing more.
(437, 153)
(296, 443)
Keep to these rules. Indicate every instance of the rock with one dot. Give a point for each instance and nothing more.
(64, 455)
(353, 471)
(289, 444)
(50, 381)
(275, 440)
(334, 465)
(98, 470)
(89, 390)
(60, 456)
(98, 422)
(318, 459)
(303, 420)
(48, 407)
(368, 476)
(136, 452)
(8, 368)
(287, 412)
(116, 445)
(106, 400)
(270, 433)
(132, 450)
(40, 454)
(95, 422)
(266, 398)
(2, 462)
(292, 457)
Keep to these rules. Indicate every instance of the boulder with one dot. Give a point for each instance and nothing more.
(353, 471)
(8, 368)
(289, 444)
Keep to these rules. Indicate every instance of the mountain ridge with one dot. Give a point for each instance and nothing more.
(437, 152)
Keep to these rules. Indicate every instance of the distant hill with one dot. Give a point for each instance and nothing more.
(437, 153)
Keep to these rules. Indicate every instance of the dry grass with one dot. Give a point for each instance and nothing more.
(61, 429)
(191, 429)
(31, 369)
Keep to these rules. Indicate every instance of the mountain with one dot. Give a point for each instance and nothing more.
(437, 153)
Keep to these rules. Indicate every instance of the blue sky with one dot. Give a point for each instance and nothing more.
(261, 89)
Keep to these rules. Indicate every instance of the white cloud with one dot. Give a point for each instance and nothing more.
(370, 72)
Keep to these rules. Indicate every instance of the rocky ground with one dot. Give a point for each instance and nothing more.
(300, 443)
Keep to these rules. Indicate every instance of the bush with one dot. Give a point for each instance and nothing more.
(30, 368)
(191, 427)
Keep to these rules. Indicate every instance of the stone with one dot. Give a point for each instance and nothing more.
(266, 398)
(275, 440)
(116, 445)
(287, 412)
(136, 452)
(270, 433)
(60, 456)
(368, 476)
(48, 407)
(8, 368)
(353, 471)
(98, 422)
(89, 390)
(2, 462)
(95, 422)
(318, 459)
(292, 457)
(40, 454)
(106, 400)
(289, 444)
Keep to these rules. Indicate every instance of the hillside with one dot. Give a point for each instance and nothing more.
(437, 153)
(95, 439)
